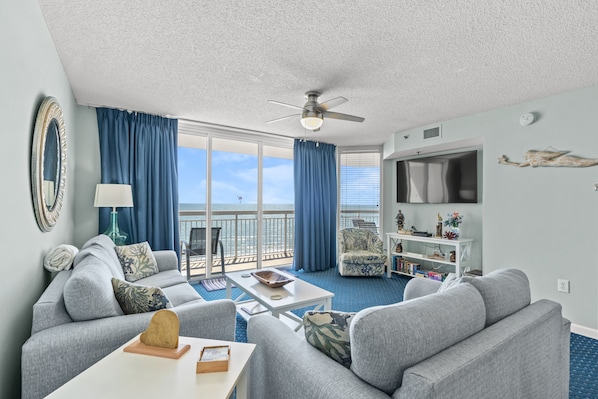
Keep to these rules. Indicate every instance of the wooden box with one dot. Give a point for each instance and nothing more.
(213, 359)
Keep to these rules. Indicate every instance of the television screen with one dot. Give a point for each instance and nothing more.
(450, 178)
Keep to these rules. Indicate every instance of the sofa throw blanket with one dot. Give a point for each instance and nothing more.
(60, 258)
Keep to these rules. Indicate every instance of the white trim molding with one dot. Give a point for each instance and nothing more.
(585, 331)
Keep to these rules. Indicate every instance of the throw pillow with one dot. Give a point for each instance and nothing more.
(450, 281)
(137, 261)
(135, 298)
(329, 332)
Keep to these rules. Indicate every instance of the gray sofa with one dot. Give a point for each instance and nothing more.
(479, 339)
(77, 320)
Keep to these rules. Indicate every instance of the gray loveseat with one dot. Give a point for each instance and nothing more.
(479, 339)
(77, 320)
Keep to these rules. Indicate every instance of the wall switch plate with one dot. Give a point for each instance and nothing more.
(563, 286)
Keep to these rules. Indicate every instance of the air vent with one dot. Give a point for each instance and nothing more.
(432, 133)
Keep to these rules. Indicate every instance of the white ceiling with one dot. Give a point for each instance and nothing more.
(401, 64)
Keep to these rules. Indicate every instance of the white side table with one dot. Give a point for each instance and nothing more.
(130, 375)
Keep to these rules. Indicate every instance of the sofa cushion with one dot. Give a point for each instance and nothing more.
(181, 294)
(386, 340)
(102, 247)
(137, 261)
(505, 291)
(329, 332)
(88, 293)
(134, 298)
(163, 279)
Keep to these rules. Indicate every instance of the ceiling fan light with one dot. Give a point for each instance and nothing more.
(311, 120)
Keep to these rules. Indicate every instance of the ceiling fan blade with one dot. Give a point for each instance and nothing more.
(285, 104)
(326, 105)
(344, 117)
(283, 118)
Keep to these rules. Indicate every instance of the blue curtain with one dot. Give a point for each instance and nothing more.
(141, 150)
(315, 206)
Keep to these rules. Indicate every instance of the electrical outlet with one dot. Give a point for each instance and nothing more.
(563, 286)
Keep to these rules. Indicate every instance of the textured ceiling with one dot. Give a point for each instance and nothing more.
(401, 64)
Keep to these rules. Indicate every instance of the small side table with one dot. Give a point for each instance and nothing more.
(123, 374)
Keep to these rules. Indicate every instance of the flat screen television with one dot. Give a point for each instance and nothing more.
(449, 178)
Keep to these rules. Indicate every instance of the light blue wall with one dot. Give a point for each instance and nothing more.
(30, 70)
(541, 220)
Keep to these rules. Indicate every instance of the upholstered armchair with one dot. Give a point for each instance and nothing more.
(361, 253)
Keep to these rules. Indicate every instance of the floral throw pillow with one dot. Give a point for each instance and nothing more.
(329, 332)
(134, 298)
(137, 261)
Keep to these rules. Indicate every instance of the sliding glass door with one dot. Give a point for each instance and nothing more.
(278, 209)
(245, 190)
(192, 163)
(234, 202)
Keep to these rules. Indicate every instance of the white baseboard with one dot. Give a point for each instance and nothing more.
(585, 331)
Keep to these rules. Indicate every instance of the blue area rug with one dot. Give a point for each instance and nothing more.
(352, 294)
(583, 368)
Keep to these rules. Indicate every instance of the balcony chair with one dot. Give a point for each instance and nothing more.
(361, 253)
(197, 246)
(362, 224)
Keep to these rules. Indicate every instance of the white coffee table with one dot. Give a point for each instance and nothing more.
(130, 375)
(295, 295)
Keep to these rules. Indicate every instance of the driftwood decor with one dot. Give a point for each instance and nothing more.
(550, 158)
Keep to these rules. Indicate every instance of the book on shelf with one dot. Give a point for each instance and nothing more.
(254, 309)
(396, 263)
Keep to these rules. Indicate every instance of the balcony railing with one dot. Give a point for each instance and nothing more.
(239, 231)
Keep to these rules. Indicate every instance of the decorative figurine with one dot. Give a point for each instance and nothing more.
(439, 226)
(549, 158)
(400, 221)
(453, 256)
(163, 330)
(399, 248)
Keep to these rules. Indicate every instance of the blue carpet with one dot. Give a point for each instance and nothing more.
(352, 294)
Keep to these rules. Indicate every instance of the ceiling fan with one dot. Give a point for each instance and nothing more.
(313, 113)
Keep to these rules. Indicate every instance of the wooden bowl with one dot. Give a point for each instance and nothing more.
(271, 279)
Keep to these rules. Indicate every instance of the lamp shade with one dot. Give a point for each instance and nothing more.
(311, 120)
(113, 196)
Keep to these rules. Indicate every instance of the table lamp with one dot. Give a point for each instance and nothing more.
(114, 196)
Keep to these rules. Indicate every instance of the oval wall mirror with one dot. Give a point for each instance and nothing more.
(48, 163)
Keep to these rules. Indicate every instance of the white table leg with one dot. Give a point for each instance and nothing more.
(243, 384)
(229, 291)
(328, 304)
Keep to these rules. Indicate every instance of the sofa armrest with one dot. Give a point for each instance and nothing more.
(418, 287)
(166, 260)
(55, 355)
(528, 349)
(285, 365)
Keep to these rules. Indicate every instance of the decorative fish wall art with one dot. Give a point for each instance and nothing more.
(550, 158)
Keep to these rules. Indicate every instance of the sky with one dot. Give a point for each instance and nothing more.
(234, 178)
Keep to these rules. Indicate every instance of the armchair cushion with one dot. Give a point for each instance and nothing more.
(329, 332)
(353, 239)
(137, 261)
(361, 253)
(135, 298)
